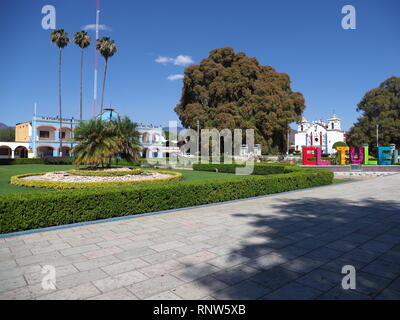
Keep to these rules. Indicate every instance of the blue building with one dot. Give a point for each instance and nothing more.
(41, 137)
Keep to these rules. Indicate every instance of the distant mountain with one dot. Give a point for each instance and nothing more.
(2, 125)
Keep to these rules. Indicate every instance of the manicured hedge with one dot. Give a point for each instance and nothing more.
(259, 168)
(36, 210)
(21, 161)
(58, 160)
(16, 180)
(105, 173)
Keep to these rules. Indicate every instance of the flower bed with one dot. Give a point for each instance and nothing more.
(20, 180)
(106, 173)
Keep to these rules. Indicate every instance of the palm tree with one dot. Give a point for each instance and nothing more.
(96, 142)
(82, 40)
(127, 138)
(100, 140)
(107, 49)
(60, 39)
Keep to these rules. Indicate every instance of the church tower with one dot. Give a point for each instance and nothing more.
(334, 123)
(303, 125)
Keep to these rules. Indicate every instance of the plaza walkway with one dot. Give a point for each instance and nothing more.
(287, 246)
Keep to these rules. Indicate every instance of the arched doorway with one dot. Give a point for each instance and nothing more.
(66, 151)
(45, 151)
(145, 152)
(21, 152)
(5, 152)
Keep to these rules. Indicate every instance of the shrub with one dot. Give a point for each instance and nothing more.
(105, 173)
(259, 168)
(21, 161)
(18, 181)
(57, 160)
(38, 210)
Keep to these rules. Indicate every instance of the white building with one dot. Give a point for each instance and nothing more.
(319, 134)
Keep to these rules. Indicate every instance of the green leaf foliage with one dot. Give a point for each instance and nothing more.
(379, 106)
(230, 90)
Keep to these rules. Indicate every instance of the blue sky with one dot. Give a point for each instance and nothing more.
(332, 67)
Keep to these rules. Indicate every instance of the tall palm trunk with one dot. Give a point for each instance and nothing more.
(81, 85)
(104, 84)
(59, 100)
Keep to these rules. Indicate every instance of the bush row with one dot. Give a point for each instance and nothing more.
(46, 160)
(105, 173)
(37, 210)
(259, 168)
(21, 161)
(18, 181)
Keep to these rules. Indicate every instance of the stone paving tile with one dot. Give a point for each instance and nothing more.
(162, 268)
(338, 293)
(197, 257)
(245, 290)
(76, 279)
(80, 292)
(162, 256)
(167, 295)
(302, 265)
(195, 272)
(125, 266)
(135, 253)
(235, 274)
(321, 279)
(370, 284)
(18, 271)
(310, 243)
(199, 288)
(12, 283)
(362, 255)
(323, 254)
(89, 264)
(229, 260)
(120, 280)
(98, 253)
(342, 245)
(7, 264)
(118, 294)
(275, 277)
(36, 277)
(153, 286)
(293, 291)
(383, 268)
(388, 294)
(268, 261)
(81, 249)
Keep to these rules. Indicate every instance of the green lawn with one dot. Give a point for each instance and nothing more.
(6, 171)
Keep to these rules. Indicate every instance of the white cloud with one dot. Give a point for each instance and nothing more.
(183, 60)
(173, 77)
(163, 60)
(180, 60)
(103, 27)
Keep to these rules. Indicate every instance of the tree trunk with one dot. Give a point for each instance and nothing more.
(81, 85)
(59, 100)
(104, 84)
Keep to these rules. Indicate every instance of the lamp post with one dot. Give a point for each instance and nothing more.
(377, 135)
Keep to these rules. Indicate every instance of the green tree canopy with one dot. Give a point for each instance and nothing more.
(229, 90)
(379, 106)
(7, 134)
(100, 140)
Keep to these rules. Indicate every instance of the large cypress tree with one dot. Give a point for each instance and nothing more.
(379, 106)
(229, 90)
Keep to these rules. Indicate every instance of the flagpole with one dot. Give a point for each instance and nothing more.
(95, 59)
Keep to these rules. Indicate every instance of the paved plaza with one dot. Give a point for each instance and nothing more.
(285, 246)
